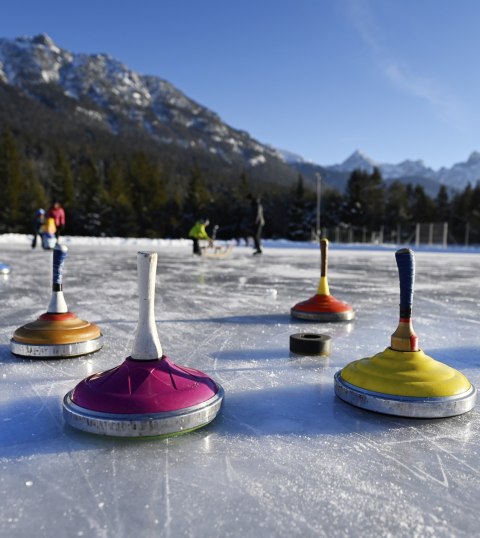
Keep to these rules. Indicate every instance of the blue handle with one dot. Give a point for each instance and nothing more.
(406, 272)
(59, 255)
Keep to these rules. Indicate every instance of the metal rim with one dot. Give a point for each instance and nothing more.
(36, 351)
(323, 316)
(405, 406)
(142, 425)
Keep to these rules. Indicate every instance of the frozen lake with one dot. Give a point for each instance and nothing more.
(284, 457)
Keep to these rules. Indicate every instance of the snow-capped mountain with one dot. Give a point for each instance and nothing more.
(360, 161)
(101, 90)
(461, 173)
(99, 93)
(456, 177)
(356, 161)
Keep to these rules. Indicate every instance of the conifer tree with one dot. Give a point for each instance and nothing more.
(442, 209)
(421, 206)
(88, 211)
(197, 197)
(120, 217)
(62, 187)
(365, 203)
(298, 225)
(148, 195)
(33, 196)
(10, 182)
(397, 213)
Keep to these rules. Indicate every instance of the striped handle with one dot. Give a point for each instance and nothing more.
(59, 254)
(147, 343)
(324, 257)
(406, 272)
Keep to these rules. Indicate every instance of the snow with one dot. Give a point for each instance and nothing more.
(257, 160)
(284, 457)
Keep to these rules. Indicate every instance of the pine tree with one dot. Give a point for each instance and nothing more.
(197, 197)
(421, 206)
(33, 196)
(11, 182)
(119, 218)
(461, 215)
(397, 214)
(298, 225)
(88, 212)
(365, 202)
(62, 187)
(442, 211)
(148, 195)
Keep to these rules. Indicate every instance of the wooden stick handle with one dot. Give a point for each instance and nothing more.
(324, 257)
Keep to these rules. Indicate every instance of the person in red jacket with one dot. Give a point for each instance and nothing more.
(57, 213)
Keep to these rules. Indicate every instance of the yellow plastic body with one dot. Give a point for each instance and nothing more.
(69, 331)
(405, 373)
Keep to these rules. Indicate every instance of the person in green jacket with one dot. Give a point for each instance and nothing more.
(198, 232)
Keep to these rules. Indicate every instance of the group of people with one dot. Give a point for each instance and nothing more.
(48, 225)
(257, 222)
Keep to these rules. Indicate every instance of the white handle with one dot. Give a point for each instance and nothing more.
(147, 343)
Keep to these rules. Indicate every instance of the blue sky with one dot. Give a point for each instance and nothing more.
(397, 79)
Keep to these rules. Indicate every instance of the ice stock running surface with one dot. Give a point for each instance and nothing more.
(284, 457)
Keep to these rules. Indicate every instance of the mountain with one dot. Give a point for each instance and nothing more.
(94, 99)
(408, 171)
(461, 173)
(415, 172)
(356, 161)
(95, 95)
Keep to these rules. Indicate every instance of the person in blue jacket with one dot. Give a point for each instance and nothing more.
(38, 222)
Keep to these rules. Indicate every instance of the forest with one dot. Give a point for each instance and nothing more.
(135, 193)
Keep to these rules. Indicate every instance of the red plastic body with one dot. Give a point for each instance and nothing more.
(323, 303)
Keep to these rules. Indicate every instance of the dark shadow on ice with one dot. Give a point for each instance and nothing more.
(35, 426)
(30, 425)
(251, 354)
(457, 357)
(310, 409)
(6, 355)
(293, 360)
(267, 319)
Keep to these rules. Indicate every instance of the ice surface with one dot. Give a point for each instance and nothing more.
(284, 457)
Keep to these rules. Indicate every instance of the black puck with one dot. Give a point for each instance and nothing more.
(310, 344)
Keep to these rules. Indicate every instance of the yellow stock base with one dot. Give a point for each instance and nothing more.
(56, 335)
(405, 383)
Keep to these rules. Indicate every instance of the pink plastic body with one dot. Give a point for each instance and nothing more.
(153, 386)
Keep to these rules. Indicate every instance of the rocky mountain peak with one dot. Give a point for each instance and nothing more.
(43, 39)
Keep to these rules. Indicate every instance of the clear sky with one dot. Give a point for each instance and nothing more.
(396, 79)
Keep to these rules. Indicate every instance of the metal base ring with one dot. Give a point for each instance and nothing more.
(142, 425)
(405, 406)
(323, 316)
(56, 351)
